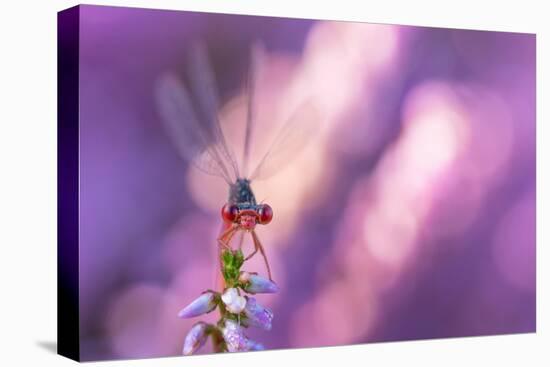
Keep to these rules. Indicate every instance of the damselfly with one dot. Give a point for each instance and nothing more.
(191, 117)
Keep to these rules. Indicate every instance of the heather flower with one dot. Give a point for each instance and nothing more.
(234, 302)
(204, 304)
(255, 346)
(234, 337)
(237, 311)
(236, 341)
(195, 338)
(253, 283)
(257, 315)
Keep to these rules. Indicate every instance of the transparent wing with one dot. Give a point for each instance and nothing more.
(192, 122)
(257, 58)
(291, 139)
(204, 87)
(194, 140)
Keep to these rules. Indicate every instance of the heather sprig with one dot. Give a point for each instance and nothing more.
(238, 311)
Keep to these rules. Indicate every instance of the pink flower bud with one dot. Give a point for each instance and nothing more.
(254, 283)
(204, 304)
(234, 337)
(257, 315)
(195, 338)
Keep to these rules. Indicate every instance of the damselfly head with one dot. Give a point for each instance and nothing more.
(249, 217)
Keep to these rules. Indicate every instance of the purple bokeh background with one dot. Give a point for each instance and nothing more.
(410, 216)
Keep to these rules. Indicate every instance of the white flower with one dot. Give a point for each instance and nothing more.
(233, 301)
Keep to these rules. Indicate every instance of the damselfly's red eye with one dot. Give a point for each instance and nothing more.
(265, 214)
(229, 212)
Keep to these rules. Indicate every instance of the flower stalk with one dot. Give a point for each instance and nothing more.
(237, 310)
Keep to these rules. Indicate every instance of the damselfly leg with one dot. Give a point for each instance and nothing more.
(226, 236)
(258, 246)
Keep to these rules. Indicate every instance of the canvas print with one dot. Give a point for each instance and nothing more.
(234, 183)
